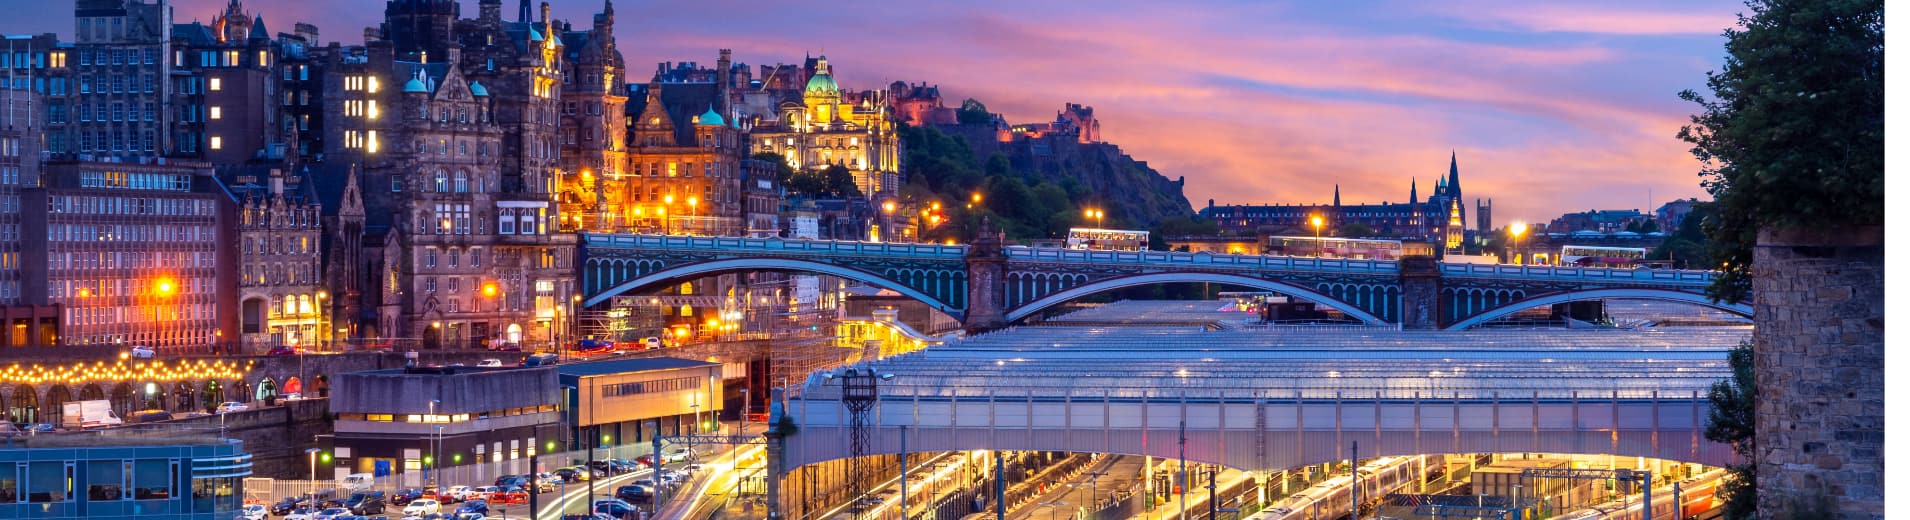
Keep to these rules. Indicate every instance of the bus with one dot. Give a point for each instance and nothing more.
(1107, 239)
(1601, 256)
(1331, 247)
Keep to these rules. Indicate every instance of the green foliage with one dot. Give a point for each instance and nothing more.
(783, 170)
(1180, 226)
(834, 181)
(1733, 421)
(943, 169)
(1793, 133)
(1355, 230)
(1687, 247)
(973, 113)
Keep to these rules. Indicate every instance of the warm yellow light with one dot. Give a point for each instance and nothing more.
(1318, 221)
(322, 295)
(937, 206)
(975, 197)
(888, 206)
(669, 199)
(490, 290)
(164, 286)
(1518, 229)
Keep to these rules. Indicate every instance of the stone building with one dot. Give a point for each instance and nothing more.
(920, 105)
(282, 297)
(225, 93)
(1440, 219)
(822, 125)
(19, 168)
(122, 78)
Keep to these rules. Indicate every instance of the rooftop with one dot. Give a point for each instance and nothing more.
(602, 368)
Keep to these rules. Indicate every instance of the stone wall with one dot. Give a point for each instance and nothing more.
(1819, 344)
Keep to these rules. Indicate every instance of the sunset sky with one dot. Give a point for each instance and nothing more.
(1551, 106)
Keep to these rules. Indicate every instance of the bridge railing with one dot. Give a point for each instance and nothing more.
(1579, 273)
(772, 245)
(1202, 258)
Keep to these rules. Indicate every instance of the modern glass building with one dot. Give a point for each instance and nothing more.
(110, 477)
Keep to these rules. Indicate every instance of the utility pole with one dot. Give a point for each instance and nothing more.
(1356, 480)
(1182, 488)
(1001, 488)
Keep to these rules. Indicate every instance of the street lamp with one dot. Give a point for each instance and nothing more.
(1051, 507)
(324, 329)
(693, 202)
(888, 210)
(665, 211)
(311, 454)
(431, 416)
(1517, 229)
(1319, 247)
(1095, 215)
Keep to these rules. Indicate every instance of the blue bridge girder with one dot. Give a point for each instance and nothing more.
(1021, 281)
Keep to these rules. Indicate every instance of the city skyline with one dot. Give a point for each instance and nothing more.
(1247, 118)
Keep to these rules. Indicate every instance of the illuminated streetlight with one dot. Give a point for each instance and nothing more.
(1319, 247)
(1517, 229)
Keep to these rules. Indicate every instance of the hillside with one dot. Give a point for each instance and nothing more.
(1034, 188)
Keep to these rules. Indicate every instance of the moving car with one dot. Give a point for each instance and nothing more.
(589, 345)
(282, 351)
(421, 507)
(539, 360)
(490, 362)
(572, 474)
(231, 406)
(141, 352)
(144, 416)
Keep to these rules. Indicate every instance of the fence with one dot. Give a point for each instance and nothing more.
(475, 475)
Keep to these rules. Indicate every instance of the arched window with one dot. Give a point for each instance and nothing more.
(462, 183)
(439, 183)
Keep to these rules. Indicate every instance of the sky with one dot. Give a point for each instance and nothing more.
(1551, 107)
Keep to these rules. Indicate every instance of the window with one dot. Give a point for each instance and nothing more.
(213, 84)
(214, 113)
(397, 184)
(430, 258)
(216, 143)
(438, 182)
(507, 222)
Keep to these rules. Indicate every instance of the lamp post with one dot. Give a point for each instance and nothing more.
(431, 411)
(1517, 229)
(665, 211)
(324, 331)
(888, 219)
(311, 484)
(1319, 248)
(693, 217)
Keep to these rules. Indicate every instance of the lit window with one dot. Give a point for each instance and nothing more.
(215, 113)
(371, 141)
(212, 84)
(371, 84)
(217, 143)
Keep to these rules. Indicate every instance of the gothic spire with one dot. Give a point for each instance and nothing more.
(1414, 197)
(1336, 195)
(1452, 180)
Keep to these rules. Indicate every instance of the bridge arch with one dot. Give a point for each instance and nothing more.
(1595, 294)
(776, 264)
(1056, 298)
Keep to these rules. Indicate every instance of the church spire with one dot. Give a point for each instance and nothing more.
(1452, 179)
(1336, 195)
(1414, 197)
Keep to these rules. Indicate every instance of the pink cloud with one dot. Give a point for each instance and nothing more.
(1594, 18)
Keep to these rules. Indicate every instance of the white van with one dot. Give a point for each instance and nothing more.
(356, 482)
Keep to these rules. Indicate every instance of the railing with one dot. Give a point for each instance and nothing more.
(1578, 273)
(1201, 258)
(775, 245)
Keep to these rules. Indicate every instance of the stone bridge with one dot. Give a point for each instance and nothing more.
(987, 285)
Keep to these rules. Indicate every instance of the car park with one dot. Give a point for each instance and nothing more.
(331, 513)
(635, 493)
(301, 513)
(254, 512)
(455, 494)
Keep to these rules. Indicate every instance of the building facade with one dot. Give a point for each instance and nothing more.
(165, 478)
(451, 416)
(822, 125)
(626, 401)
(282, 298)
(135, 253)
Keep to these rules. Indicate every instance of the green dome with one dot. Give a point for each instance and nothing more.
(710, 117)
(479, 90)
(415, 86)
(821, 82)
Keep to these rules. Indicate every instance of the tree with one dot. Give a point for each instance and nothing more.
(1355, 230)
(783, 170)
(1793, 134)
(973, 113)
(1733, 421)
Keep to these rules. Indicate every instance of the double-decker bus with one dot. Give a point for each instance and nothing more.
(1330, 247)
(1107, 239)
(1601, 256)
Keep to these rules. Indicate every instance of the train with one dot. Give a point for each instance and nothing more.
(1332, 498)
(1699, 499)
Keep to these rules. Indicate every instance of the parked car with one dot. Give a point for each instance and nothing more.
(647, 459)
(652, 343)
(366, 503)
(405, 496)
(572, 474)
(589, 345)
(421, 507)
(331, 513)
(490, 362)
(231, 406)
(475, 506)
(141, 352)
(145, 416)
(301, 513)
(635, 494)
(454, 495)
(539, 360)
(286, 505)
(282, 351)
(253, 512)
(613, 507)
(38, 428)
